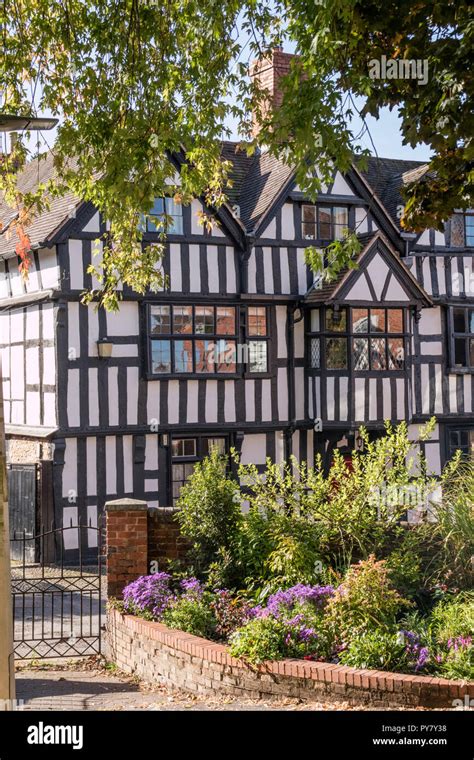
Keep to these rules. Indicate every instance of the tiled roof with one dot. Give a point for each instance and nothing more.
(256, 183)
(37, 171)
(263, 183)
(386, 177)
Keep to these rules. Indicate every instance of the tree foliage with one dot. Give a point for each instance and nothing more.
(136, 82)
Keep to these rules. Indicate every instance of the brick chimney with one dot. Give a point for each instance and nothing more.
(269, 71)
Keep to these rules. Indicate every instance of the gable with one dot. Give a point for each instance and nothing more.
(381, 277)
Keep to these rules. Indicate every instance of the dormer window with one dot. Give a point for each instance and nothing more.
(171, 214)
(323, 222)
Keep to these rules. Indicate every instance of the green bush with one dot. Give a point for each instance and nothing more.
(458, 664)
(259, 640)
(209, 513)
(404, 563)
(375, 650)
(452, 528)
(365, 601)
(192, 615)
(453, 617)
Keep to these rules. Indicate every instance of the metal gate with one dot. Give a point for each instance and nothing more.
(22, 498)
(57, 608)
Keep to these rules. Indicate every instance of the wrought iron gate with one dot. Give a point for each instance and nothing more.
(57, 608)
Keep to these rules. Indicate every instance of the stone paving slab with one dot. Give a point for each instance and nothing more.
(79, 687)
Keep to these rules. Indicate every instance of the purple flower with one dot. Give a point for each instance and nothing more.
(283, 601)
(150, 593)
(191, 587)
(423, 656)
(459, 642)
(306, 634)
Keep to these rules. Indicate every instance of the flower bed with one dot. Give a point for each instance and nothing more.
(363, 622)
(159, 654)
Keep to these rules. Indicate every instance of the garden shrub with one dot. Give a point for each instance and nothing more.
(191, 610)
(209, 512)
(459, 660)
(365, 601)
(295, 626)
(192, 615)
(259, 640)
(230, 612)
(453, 617)
(375, 650)
(452, 527)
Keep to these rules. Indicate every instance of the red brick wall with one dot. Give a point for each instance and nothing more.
(158, 654)
(126, 543)
(136, 537)
(164, 539)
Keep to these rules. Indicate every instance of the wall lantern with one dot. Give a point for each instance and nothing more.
(104, 348)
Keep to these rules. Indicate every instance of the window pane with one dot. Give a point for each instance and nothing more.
(469, 229)
(377, 320)
(225, 321)
(325, 232)
(226, 355)
(182, 319)
(174, 210)
(377, 353)
(341, 216)
(360, 320)
(396, 353)
(158, 209)
(460, 352)
(208, 444)
(179, 474)
(204, 319)
(336, 353)
(459, 320)
(471, 351)
(336, 320)
(160, 356)
(453, 438)
(160, 321)
(204, 354)
(183, 355)
(360, 348)
(471, 320)
(341, 222)
(183, 447)
(314, 326)
(257, 356)
(309, 222)
(257, 320)
(395, 320)
(457, 230)
(309, 214)
(315, 353)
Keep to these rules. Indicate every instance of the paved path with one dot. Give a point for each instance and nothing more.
(80, 687)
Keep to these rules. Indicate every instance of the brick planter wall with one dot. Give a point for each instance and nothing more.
(164, 539)
(137, 536)
(158, 654)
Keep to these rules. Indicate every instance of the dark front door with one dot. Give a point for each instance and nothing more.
(22, 499)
